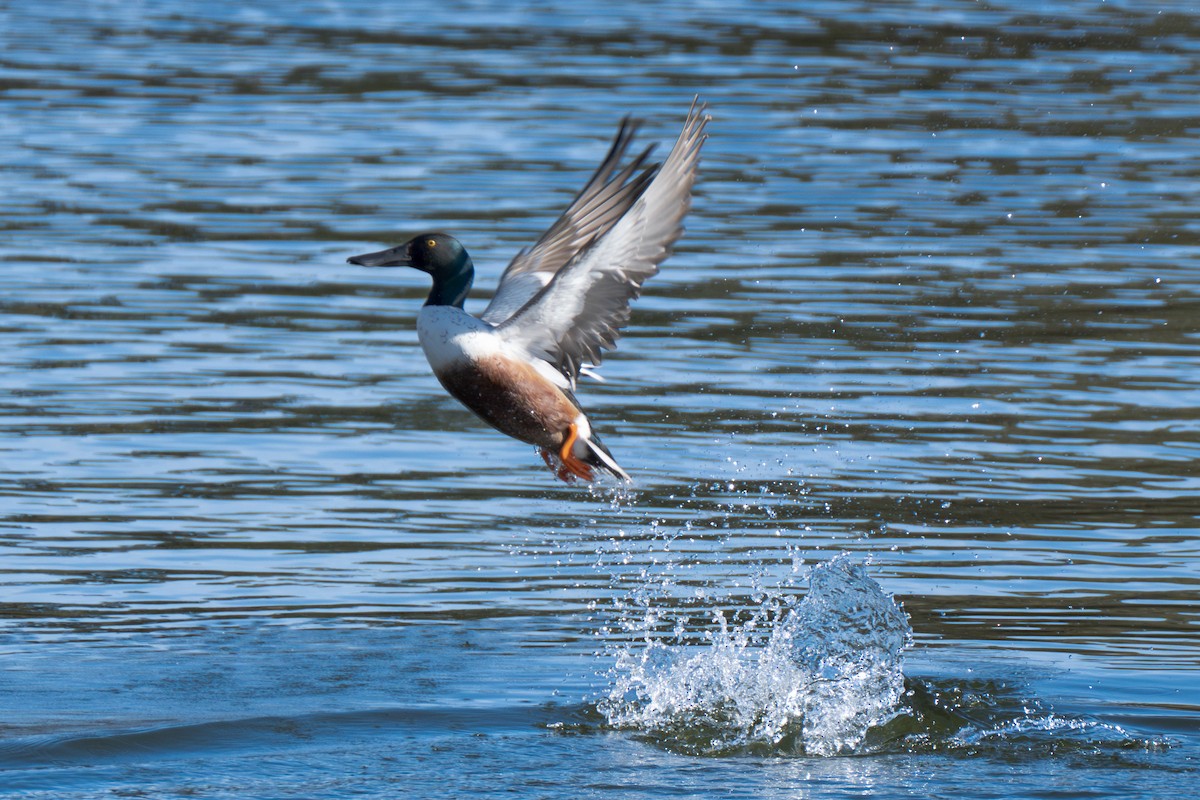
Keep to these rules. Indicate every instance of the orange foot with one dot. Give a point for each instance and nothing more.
(566, 466)
(570, 463)
(552, 462)
(557, 466)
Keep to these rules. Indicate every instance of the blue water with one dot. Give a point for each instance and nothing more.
(936, 308)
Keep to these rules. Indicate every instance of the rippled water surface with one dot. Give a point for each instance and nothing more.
(937, 307)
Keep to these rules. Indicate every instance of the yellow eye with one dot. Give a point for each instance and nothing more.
(431, 242)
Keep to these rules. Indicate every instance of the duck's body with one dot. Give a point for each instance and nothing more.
(522, 397)
(558, 305)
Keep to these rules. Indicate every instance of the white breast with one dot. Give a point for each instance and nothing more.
(450, 337)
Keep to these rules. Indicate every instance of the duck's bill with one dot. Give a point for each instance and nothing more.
(395, 257)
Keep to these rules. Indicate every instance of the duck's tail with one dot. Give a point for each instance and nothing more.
(599, 457)
(581, 454)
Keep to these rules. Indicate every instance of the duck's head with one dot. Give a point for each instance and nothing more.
(438, 254)
(435, 253)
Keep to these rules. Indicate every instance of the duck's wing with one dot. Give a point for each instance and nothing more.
(581, 310)
(597, 207)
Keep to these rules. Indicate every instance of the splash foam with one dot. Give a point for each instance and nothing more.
(824, 673)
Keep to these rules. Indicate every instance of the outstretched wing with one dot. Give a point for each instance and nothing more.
(603, 201)
(581, 310)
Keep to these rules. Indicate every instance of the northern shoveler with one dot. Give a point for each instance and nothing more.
(559, 303)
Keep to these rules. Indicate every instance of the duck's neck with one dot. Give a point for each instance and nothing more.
(451, 288)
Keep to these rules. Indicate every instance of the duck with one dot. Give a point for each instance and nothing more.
(559, 304)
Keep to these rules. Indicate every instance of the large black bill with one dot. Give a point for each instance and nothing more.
(395, 257)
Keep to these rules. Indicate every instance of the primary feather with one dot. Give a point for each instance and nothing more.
(597, 207)
(579, 312)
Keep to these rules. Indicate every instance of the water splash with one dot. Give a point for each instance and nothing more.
(716, 650)
(808, 679)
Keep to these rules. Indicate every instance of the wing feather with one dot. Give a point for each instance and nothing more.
(580, 311)
(598, 206)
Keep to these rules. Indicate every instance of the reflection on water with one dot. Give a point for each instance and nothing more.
(936, 306)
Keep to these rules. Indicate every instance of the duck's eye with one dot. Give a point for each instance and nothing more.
(431, 242)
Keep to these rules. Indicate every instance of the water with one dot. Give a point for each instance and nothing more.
(936, 309)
